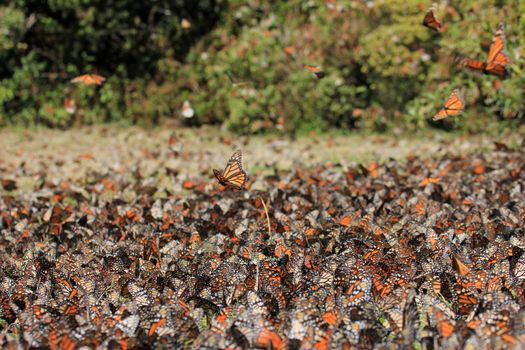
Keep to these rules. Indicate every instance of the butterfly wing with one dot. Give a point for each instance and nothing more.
(316, 70)
(497, 59)
(234, 174)
(453, 106)
(219, 177)
(89, 79)
(98, 79)
(430, 20)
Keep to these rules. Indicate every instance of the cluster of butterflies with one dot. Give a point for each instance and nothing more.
(496, 63)
(355, 259)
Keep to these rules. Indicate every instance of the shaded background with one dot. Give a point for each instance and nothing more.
(239, 63)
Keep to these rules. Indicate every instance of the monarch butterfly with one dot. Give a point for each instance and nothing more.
(430, 20)
(187, 110)
(497, 59)
(453, 106)
(316, 70)
(289, 50)
(89, 79)
(233, 175)
(466, 298)
(185, 24)
(70, 106)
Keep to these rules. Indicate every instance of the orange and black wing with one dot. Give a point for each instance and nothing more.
(430, 20)
(453, 106)
(89, 79)
(218, 175)
(316, 70)
(470, 63)
(233, 175)
(497, 59)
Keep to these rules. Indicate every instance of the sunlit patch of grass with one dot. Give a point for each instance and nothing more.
(262, 170)
(204, 149)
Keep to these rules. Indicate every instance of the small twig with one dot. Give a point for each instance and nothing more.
(267, 216)
(257, 267)
(257, 275)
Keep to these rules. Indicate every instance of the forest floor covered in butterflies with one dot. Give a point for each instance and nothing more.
(115, 239)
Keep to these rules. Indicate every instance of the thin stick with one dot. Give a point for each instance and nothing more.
(257, 273)
(267, 216)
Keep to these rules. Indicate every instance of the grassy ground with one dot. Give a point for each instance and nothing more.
(70, 155)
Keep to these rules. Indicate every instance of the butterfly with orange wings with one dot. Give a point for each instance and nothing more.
(430, 20)
(453, 106)
(316, 70)
(89, 79)
(234, 175)
(497, 59)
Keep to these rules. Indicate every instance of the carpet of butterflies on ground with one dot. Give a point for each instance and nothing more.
(424, 253)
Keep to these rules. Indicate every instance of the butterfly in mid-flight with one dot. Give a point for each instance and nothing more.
(452, 107)
(234, 175)
(316, 70)
(430, 20)
(89, 79)
(497, 59)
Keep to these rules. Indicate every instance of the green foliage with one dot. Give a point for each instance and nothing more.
(383, 69)
(46, 43)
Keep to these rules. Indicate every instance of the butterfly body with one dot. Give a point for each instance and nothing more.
(233, 175)
(453, 106)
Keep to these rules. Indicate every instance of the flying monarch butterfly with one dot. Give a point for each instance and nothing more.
(497, 59)
(233, 175)
(89, 79)
(187, 110)
(453, 106)
(316, 70)
(430, 20)
(70, 106)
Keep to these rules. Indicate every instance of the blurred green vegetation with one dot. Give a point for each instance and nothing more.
(240, 63)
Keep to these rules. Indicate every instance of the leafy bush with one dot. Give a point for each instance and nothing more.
(49, 42)
(383, 68)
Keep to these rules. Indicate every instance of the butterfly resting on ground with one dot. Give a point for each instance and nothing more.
(234, 175)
